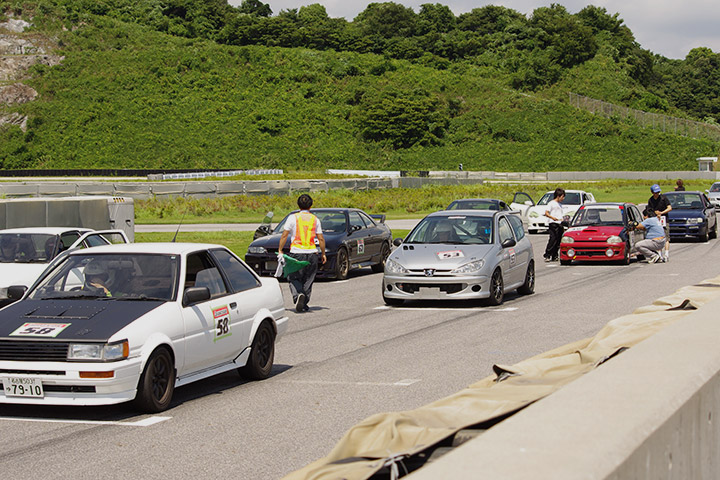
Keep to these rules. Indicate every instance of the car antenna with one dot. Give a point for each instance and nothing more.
(178, 229)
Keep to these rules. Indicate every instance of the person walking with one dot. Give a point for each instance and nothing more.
(555, 213)
(659, 204)
(654, 242)
(303, 228)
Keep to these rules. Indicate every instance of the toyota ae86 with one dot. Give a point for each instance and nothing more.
(461, 255)
(117, 323)
(353, 239)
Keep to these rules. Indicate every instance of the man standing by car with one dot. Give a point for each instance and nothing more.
(654, 242)
(303, 228)
(659, 204)
(555, 213)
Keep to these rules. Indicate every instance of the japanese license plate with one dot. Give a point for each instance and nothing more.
(23, 387)
(271, 265)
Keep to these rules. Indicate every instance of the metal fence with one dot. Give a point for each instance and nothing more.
(665, 123)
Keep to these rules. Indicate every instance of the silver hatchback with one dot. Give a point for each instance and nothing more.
(460, 255)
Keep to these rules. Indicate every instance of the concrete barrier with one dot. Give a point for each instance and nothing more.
(652, 412)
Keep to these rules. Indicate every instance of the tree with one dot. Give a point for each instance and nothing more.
(387, 20)
(435, 18)
(255, 7)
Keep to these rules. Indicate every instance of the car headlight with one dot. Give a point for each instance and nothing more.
(614, 240)
(694, 220)
(566, 239)
(98, 352)
(471, 267)
(533, 214)
(256, 250)
(391, 266)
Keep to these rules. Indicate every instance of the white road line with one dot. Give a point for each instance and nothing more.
(435, 309)
(146, 422)
(400, 383)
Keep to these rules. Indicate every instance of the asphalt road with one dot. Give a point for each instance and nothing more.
(346, 359)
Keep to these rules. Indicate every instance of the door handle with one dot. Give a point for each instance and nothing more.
(233, 305)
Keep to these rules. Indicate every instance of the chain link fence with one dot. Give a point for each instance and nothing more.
(665, 123)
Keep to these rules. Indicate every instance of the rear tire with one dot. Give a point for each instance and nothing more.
(497, 288)
(157, 382)
(528, 288)
(262, 354)
(384, 254)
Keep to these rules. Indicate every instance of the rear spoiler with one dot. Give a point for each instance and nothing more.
(379, 217)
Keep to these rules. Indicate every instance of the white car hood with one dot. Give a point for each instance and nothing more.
(20, 273)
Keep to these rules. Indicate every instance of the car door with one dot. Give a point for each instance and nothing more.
(710, 214)
(210, 325)
(357, 238)
(523, 248)
(509, 260)
(374, 239)
(634, 235)
(522, 202)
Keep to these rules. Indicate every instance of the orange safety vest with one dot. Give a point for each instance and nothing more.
(305, 226)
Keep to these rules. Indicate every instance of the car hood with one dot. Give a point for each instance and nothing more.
(20, 273)
(685, 213)
(86, 320)
(439, 256)
(541, 209)
(594, 233)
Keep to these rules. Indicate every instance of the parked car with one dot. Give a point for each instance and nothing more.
(601, 232)
(478, 204)
(26, 252)
(535, 213)
(459, 255)
(692, 215)
(713, 194)
(353, 239)
(112, 324)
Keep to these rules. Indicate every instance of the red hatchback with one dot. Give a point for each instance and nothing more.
(599, 233)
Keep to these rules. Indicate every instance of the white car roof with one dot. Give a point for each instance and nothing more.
(160, 248)
(47, 230)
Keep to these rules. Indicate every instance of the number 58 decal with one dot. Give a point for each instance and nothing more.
(221, 315)
(40, 329)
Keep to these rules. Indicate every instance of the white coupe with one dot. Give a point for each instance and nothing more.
(534, 214)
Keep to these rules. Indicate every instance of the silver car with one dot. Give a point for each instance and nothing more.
(713, 195)
(459, 255)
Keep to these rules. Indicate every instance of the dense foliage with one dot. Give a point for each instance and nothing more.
(199, 83)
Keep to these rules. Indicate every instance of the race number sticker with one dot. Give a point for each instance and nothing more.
(222, 323)
(51, 330)
(513, 257)
(361, 246)
(663, 221)
(450, 254)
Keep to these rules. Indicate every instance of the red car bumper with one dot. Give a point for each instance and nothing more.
(592, 251)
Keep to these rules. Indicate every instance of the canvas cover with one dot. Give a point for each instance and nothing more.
(386, 439)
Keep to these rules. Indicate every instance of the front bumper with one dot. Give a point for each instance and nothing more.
(265, 265)
(538, 224)
(418, 287)
(683, 230)
(62, 384)
(592, 251)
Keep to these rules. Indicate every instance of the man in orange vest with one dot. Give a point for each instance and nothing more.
(303, 228)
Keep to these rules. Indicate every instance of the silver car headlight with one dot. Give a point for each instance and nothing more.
(566, 239)
(613, 240)
(257, 250)
(391, 266)
(98, 352)
(694, 220)
(472, 267)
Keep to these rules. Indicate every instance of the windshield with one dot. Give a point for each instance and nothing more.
(715, 187)
(127, 276)
(330, 221)
(546, 198)
(685, 201)
(455, 230)
(27, 247)
(605, 216)
(473, 205)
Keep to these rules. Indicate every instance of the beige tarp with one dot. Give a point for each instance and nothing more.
(384, 439)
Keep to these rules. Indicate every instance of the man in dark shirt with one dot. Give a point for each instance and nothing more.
(659, 204)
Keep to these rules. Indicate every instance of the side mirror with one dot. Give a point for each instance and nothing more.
(529, 203)
(397, 242)
(16, 292)
(195, 295)
(707, 191)
(509, 242)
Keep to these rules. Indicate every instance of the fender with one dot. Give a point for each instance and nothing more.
(262, 315)
(154, 341)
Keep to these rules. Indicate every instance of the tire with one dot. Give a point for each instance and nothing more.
(497, 288)
(262, 354)
(626, 258)
(528, 287)
(157, 382)
(713, 233)
(565, 262)
(342, 264)
(384, 254)
(705, 237)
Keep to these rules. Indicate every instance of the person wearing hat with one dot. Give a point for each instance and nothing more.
(96, 279)
(659, 204)
(8, 249)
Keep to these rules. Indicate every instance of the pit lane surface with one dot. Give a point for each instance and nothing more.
(349, 358)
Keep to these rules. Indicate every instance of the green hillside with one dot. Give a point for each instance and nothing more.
(129, 95)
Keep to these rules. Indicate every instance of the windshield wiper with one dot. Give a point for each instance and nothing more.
(141, 298)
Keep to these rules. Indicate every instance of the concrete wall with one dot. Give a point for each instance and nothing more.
(652, 412)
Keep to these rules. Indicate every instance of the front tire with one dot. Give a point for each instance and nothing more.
(714, 232)
(497, 288)
(262, 354)
(384, 254)
(528, 287)
(342, 264)
(157, 382)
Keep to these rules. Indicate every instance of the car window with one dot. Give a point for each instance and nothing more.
(546, 198)
(238, 274)
(571, 198)
(504, 230)
(368, 219)
(473, 205)
(523, 198)
(202, 272)
(715, 187)
(26, 247)
(355, 220)
(68, 238)
(605, 216)
(517, 226)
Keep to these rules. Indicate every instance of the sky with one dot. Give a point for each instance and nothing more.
(667, 27)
